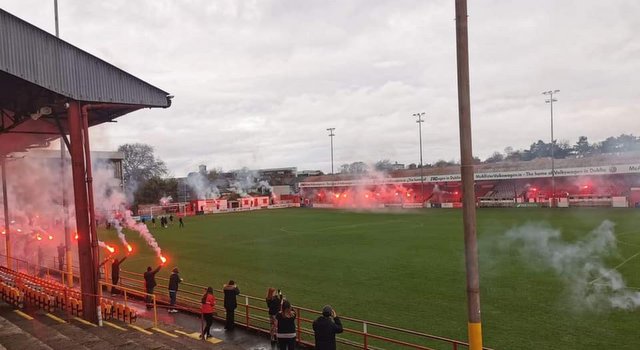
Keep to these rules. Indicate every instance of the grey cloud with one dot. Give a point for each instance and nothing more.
(258, 82)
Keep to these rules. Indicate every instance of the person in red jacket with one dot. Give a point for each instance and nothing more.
(208, 308)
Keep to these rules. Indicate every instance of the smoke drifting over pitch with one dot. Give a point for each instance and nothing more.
(36, 214)
(579, 265)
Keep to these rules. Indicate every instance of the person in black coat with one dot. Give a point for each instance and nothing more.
(325, 329)
(274, 303)
(115, 274)
(230, 303)
(174, 281)
(286, 327)
(150, 282)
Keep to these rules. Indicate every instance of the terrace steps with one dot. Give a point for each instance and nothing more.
(33, 329)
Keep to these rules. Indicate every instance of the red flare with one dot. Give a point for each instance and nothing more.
(110, 248)
(38, 237)
(164, 260)
(50, 237)
(129, 247)
(76, 236)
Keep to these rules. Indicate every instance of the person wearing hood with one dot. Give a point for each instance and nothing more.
(325, 329)
(174, 281)
(231, 291)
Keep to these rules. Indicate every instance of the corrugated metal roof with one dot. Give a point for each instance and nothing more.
(38, 57)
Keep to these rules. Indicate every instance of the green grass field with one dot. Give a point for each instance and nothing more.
(406, 269)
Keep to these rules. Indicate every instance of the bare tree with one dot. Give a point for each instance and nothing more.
(139, 165)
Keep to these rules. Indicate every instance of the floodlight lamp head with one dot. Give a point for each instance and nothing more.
(46, 110)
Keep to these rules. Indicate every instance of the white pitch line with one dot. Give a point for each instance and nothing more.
(617, 267)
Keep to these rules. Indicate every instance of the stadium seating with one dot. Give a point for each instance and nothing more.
(17, 288)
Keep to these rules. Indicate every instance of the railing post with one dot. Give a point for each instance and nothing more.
(155, 312)
(246, 305)
(125, 297)
(66, 303)
(455, 346)
(364, 333)
(299, 335)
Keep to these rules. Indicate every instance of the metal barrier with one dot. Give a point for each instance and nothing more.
(359, 334)
(69, 293)
(126, 296)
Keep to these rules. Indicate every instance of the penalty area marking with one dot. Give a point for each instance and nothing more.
(374, 223)
(617, 267)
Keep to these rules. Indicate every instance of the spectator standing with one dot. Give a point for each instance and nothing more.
(174, 281)
(274, 301)
(61, 255)
(153, 221)
(171, 219)
(208, 309)
(115, 274)
(231, 291)
(181, 222)
(325, 329)
(150, 283)
(286, 327)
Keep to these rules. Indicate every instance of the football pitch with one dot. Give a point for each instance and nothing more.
(406, 269)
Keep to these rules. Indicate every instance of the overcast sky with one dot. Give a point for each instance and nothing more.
(256, 83)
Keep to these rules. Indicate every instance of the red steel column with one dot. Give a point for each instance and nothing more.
(92, 210)
(5, 200)
(88, 266)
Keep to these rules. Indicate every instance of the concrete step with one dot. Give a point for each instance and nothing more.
(36, 329)
(13, 337)
(47, 336)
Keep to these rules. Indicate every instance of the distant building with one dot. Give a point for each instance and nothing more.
(279, 176)
(305, 173)
(397, 166)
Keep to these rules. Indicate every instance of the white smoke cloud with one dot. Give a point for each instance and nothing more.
(202, 187)
(579, 265)
(34, 186)
(166, 200)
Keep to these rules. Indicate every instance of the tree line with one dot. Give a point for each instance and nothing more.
(539, 149)
(146, 177)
